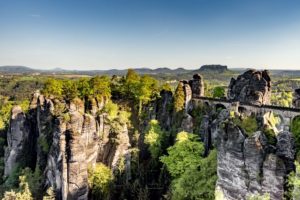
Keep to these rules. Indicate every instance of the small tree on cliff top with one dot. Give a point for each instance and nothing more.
(179, 98)
(100, 87)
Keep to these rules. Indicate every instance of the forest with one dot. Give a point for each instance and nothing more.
(166, 160)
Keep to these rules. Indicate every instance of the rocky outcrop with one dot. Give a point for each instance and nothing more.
(17, 140)
(246, 166)
(164, 109)
(66, 140)
(187, 93)
(197, 86)
(252, 87)
(296, 99)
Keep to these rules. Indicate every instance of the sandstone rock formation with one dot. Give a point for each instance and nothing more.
(197, 86)
(296, 99)
(67, 141)
(252, 87)
(17, 139)
(245, 164)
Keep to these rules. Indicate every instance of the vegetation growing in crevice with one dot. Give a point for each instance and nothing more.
(100, 180)
(247, 123)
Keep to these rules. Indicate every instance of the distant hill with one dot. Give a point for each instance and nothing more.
(222, 71)
(16, 69)
(214, 68)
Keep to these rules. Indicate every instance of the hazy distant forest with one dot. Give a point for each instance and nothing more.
(171, 168)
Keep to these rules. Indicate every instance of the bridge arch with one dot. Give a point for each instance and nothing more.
(219, 107)
(242, 109)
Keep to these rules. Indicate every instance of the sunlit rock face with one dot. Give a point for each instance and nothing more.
(17, 139)
(65, 139)
(252, 87)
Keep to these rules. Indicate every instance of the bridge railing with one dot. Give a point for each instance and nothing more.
(282, 108)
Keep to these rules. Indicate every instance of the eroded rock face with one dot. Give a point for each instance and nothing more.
(17, 139)
(197, 86)
(245, 164)
(67, 141)
(187, 93)
(252, 87)
(164, 109)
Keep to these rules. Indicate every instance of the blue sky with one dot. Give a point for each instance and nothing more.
(103, 34)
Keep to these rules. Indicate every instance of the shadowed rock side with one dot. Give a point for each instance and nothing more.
(17, 139)
(66, 144)
(296, 99)
(197, 86)
(252, 87)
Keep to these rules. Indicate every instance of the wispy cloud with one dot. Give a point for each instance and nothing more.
(35, 15)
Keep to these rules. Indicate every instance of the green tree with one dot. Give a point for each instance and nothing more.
(100, 87)
(184, 154)
(193, 176)
(53, 87)
(22, 193)
(84, 88)
(294, 182)
(179, 98)
(166, 87)
(147, 88)
(50, 195)
(70, 90)
(153, 138)
(218, 92)
(198, 182)
(132, 84)
(100, 179)
(295, 128)
(111, 109)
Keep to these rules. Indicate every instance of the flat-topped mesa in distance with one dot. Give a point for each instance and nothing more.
(296, 99)
(214, 68)
(252, 87)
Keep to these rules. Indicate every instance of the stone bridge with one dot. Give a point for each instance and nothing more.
(286, 114)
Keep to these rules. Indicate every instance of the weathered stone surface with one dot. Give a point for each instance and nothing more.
(17, 137)
(187, 123)
(197, 86)
(205, 133)
(273, 177)
(252, 87)
(164, 111)
(232, 178)
(187, 93)
(245, 166)
(66, 140)
(285, 149)
(254, 157)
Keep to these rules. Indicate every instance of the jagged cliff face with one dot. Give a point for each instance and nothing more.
(252, 87)
(66, 144)
(249, 165)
